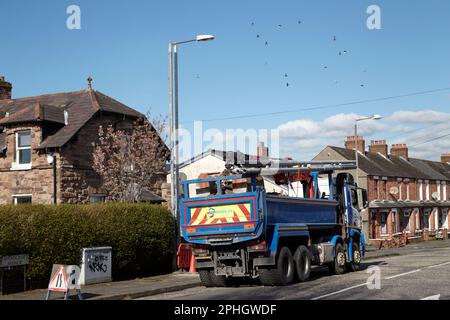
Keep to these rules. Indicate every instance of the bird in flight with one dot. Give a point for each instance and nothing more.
(280, 25)
(299, 21)
(287, 84)
(257, 35)
(285, 75)
(334, 38)
(267, 43)
(252, 24)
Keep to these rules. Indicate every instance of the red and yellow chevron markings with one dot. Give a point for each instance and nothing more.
(220, 214)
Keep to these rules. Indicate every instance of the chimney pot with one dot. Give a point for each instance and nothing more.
(351, 141)
(5, 89)
(445, 158)
(400, 150)
(379, 146)
(262, 151)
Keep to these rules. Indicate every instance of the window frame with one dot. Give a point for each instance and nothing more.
(16, 196)
(16, 165)
(97, 195)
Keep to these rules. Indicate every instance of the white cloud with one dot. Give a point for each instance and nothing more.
(304, 138)
(423, 116)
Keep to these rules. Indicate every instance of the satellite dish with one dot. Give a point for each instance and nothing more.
(393, 190)
(435, 196)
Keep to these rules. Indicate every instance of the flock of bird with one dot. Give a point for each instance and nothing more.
(334, 39)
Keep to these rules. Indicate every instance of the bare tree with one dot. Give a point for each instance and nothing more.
(130, 160)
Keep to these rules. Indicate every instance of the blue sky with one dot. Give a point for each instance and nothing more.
(123, 46)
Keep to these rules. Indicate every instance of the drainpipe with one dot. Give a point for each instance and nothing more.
(54, 179)
(51, 159)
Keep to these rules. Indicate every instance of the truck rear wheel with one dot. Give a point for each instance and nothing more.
(338, 266)
(282, 274)
(205, 278)
(302, 259)
(218, 281)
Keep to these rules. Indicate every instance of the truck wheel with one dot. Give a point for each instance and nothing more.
(282, 274)
(355, 265)
(205, 278)
(218, 281)
(302, 259)
(338, 266)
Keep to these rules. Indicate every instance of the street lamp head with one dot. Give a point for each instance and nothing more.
(376, 117)
(204, 37)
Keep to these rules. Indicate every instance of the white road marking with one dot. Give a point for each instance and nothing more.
(340, 291)
(439, 265)
(363, 284)
(436, 297)
(402, 274)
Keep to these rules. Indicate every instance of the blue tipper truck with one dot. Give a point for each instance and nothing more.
(239, 230)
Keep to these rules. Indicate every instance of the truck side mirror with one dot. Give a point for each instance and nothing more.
(365, 198)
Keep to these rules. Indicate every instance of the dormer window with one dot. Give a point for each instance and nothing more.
(23, 150)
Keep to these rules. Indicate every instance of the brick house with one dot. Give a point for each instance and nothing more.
(406, 195)
(36, 131)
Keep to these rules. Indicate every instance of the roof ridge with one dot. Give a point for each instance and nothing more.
(43, 95)
(94, 100)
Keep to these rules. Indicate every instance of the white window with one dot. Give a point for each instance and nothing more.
(444, 191)
(97, 198)
(22, 199)
(383, 223)
(420, 190)
(444, 219)
(426, 219)
(417, 217)
(407, 189)
(427, 189)
(407, 216)
(23, 150)
(400, 187)
(438, 189)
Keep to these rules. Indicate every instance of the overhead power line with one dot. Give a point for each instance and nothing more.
(430, 140)
(327, 106)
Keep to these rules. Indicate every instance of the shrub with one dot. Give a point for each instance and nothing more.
(141, 237)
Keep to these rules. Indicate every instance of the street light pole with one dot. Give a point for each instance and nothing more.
(373, 117)
(173, 106)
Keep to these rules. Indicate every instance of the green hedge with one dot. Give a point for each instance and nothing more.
(141, 236)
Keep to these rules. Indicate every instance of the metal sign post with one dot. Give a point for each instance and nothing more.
(9, 262)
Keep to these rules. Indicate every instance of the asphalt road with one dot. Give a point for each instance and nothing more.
(419, 274)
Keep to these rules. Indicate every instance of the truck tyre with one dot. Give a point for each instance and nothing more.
(205, 278)
(218, 281)
(282, 274)
(302, 259)
(355, 265)
(338, 266)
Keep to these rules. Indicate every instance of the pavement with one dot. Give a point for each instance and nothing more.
(178, 281)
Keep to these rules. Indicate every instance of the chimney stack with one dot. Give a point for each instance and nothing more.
(263, 151)
(350, 143)
(379, 146)
(5, 89)
(400, 150)
(445, 158)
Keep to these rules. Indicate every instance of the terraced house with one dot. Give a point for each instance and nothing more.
(406, 195)
(46, 145)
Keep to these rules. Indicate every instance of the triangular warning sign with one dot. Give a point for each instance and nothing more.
(58, 281)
